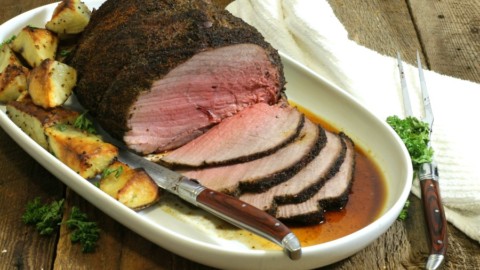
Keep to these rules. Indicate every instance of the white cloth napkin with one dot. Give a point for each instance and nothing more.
(310, 32)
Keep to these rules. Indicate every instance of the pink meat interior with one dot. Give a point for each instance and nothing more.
(209, 87)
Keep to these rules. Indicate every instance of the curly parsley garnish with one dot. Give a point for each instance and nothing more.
(84, 231)
(83, 123)
(415, 135)
(48, 217)
(45, 217)
(404, 213)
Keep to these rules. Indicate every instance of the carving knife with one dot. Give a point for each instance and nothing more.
(226, 207)
(429, 179)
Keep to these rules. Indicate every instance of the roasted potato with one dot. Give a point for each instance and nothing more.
(69, 17)
(114, 177)
(83, 152)
(13, 75)
(13, 82)
(7, 57)
(35, 45)
(33, 119)
(140, 191)
(51, 83)
(132, 187)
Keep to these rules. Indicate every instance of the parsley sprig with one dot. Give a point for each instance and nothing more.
(404, 213)
(118, 171)
(9, 40)
(47, 218)
(82, 122)
(84, 231)
(415, 135)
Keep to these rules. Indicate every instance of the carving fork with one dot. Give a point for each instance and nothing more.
(428, 176)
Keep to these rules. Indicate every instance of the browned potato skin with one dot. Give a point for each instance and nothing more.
(133, 187)
(51, 83)
(13, 75)
(140, 191)
(70, 17)
(35, 45)
(33, 119)
(84, 153)
(111, 184)
(13, 82)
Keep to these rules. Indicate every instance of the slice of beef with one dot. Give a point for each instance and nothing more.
(252, 133)
(306, 182)
(333, 195)
(158, 73)
(263, 173)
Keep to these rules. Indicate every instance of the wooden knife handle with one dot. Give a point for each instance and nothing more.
(433, 210)
(250, 218)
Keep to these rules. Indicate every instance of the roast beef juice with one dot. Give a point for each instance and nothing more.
(365, 203)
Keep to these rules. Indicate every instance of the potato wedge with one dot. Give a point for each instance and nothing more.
(35, 45)
(33, 119)
(140, 191)
(69, 17)
(83, 152)
(7, 57)
(116, 179)
(51, 83)
(132, 187)
(13, 75)
(13, 82)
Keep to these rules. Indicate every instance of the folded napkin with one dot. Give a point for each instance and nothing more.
(309, 32)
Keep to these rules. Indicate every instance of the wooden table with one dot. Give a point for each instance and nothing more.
(447, 33)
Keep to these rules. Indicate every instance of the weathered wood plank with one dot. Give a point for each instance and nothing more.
(383, 26)
(11, 8)
(118, 246)
(450, 35)
(22, 179)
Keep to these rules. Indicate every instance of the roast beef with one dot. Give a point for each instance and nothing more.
(306, 182)
(263, 173)
(158, 73)
(252, 133)
(333, 195)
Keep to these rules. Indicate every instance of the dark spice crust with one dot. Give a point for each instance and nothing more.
(340, 202)
(261, 185)
(308, 192)
(129, 44)
(332, 204)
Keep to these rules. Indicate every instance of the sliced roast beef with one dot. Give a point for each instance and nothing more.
(306, 182)
(333, 195)
(158, 73)
(252, 133)
(263, 173)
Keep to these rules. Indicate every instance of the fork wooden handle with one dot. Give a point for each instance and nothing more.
(433, 209)
(434, 216)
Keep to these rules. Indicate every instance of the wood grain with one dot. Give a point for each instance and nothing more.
(447, 34)
(22, 179)
(384, 26)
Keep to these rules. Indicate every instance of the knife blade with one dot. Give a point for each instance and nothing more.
(226, 207)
